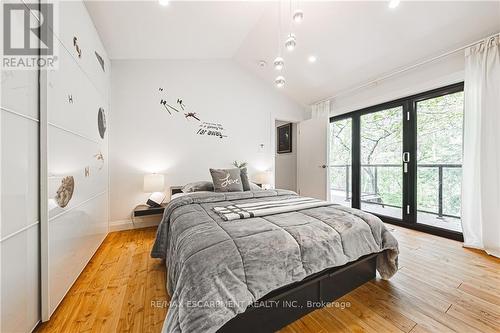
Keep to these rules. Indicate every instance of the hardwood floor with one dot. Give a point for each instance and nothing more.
(440, 287)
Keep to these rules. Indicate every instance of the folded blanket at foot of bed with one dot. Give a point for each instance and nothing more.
(255, 209)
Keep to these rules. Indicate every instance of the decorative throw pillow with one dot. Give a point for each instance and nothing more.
(198, 186)
(226, 180)
(244, 179)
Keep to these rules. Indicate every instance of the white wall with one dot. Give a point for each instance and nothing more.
(437, 74)
(285, 165)
(145, 138)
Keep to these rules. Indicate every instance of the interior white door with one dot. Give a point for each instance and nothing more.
(312, 150)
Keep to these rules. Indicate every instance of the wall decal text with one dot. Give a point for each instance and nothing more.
(204, 128)
(211, 129)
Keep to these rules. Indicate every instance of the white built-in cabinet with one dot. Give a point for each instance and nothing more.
(44, 247)
(19, 219)
(19, 200)
(76, 90)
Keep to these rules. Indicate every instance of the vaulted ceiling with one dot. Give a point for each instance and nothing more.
(353, 41)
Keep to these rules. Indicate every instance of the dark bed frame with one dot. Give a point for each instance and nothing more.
(289, 303)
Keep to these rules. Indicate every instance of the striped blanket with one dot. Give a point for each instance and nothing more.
(248, 210)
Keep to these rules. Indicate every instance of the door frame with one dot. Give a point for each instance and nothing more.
(325, 153)
(409, 118)
(274, 142)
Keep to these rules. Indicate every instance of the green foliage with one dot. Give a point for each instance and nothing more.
(382, 137)
(439, 141)
(240, 165)
(439, 128)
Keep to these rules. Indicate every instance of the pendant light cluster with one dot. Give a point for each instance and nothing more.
(290, 43)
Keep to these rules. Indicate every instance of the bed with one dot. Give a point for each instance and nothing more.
(267, 267)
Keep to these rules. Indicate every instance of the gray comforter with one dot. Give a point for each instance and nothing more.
(217, 268)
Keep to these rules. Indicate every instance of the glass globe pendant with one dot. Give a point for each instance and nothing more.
(280, 81)
(290, 42)
(298, 16)
(279, 63)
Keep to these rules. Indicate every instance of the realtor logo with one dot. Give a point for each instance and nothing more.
(28, 40)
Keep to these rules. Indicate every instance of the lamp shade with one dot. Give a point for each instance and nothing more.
(263, 178)
(154, 183)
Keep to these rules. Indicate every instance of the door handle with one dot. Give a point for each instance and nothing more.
(406, 160)
(324, 166)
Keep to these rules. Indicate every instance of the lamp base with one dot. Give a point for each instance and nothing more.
(153, 204)
(155, 199)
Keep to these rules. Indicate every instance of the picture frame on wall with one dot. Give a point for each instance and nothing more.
(284, 138)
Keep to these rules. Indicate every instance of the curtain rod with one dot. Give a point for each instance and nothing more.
(387, 76)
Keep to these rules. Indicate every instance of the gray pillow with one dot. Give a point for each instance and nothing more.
(226, 180)
(198, 186)
(244, 179)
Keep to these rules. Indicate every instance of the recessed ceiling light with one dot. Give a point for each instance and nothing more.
(163, 2)
(393, 4)
(312, 59)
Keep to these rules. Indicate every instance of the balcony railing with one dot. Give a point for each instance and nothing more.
(375, 198)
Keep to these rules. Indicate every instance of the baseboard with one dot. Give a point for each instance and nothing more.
(137, 224)
(38, 323)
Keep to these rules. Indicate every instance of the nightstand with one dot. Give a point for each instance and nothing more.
(145, 210)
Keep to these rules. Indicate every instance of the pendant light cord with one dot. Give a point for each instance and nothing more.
(279, 28)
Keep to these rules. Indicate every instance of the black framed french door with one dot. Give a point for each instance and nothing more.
(401, 160)
(381, 152)
(366, 163)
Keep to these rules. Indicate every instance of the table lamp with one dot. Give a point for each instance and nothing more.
(154, 184)
(264, 178)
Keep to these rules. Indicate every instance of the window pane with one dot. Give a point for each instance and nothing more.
(381, 165)
(340, 161)
(439, 160)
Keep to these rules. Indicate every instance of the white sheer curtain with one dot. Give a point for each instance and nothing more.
(320, 110)
(481, 164)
